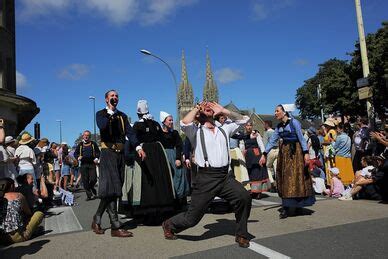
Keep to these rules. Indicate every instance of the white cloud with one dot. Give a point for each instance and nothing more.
(263, 9)
(147, 12)
(35, 8)
(260, 12)
(158, 10)
(116, 11)
(21, 80)
(227, 75)
(301, 62)
(74, 72)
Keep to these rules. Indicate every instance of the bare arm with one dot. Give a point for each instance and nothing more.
(190, 117)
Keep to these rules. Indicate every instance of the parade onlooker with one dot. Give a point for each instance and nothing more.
(66, 162)
(293, 179)
(27, 158)
(343, 161)
(88, 153)
(336, 185)
(328, 149)
(11, 145)
(17, 222)
(317, 179)
(361, 141)
(372, 185)
(3, 152)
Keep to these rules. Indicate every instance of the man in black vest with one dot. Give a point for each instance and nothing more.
(88, 153)
(213, 178)
(115, 130)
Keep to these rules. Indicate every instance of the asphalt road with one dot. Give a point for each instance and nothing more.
(335, 229)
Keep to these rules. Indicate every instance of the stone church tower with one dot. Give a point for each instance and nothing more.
(210, 90)
(186, 95)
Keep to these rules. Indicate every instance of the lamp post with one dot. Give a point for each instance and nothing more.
(149, 53)
(60, 131)
(94, 116)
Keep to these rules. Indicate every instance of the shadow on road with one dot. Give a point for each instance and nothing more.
(19, 251)
(221, 228)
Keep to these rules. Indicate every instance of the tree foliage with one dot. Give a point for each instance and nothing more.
(338, 81)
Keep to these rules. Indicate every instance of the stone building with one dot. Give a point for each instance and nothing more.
(17, 111)
(186, 93)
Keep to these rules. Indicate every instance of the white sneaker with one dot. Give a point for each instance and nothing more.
(345, 198)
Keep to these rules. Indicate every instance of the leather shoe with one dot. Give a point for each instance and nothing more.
(283, 214)
(168, 234)
(120, 233)
(97, 228)
(242, 241)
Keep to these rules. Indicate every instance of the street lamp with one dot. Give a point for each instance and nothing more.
(60, 131)
(94, 116)
(149, 53)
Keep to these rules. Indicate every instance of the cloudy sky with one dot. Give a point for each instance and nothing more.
(261, 51)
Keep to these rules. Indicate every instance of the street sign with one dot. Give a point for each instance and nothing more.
(362, 82)
(365, 93)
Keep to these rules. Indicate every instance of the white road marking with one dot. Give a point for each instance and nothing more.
(266, 251)
(62, 220)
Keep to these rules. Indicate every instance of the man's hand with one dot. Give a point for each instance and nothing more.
(216, 108)
(141, 154)
(306, 159)
(262, 161)
(178, 163)
(188, 163)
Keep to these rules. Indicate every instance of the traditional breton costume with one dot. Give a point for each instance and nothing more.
(293, 179)
(114, 130)
(89, 153)
(258, 175)
(173, 145)
(157, 189)
(213, 178)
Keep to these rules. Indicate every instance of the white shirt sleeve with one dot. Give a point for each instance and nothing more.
(230, 128)
(260, 143)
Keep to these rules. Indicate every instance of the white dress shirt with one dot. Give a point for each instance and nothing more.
(217, 146)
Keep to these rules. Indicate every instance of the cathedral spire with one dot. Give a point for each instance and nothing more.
(184, 70)
(210, 90)
(185, 95)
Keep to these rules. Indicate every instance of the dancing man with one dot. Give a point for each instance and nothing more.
(213, 177)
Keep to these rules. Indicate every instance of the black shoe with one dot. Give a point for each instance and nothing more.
(94, 191)
(283, 213)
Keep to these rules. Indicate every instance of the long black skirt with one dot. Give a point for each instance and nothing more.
(157, 191)
(111, 172)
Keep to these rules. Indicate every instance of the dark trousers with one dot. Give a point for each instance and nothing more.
(208, 184)
(110, 205)
(89, 178)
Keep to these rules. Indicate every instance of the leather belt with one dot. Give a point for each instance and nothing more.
(116, 147)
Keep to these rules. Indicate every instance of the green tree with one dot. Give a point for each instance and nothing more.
(339, 94)
(377, 50)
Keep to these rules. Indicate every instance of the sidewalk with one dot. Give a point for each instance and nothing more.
(214, 231)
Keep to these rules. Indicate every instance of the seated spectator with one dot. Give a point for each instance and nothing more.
(318, 181)
(336, 186)
(371, 187)
(17, 223)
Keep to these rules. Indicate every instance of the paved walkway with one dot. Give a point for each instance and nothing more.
(335, 228)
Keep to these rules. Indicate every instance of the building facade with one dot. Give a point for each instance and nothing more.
(17, 111)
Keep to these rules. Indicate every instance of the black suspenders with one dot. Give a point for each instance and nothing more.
(204, 151)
